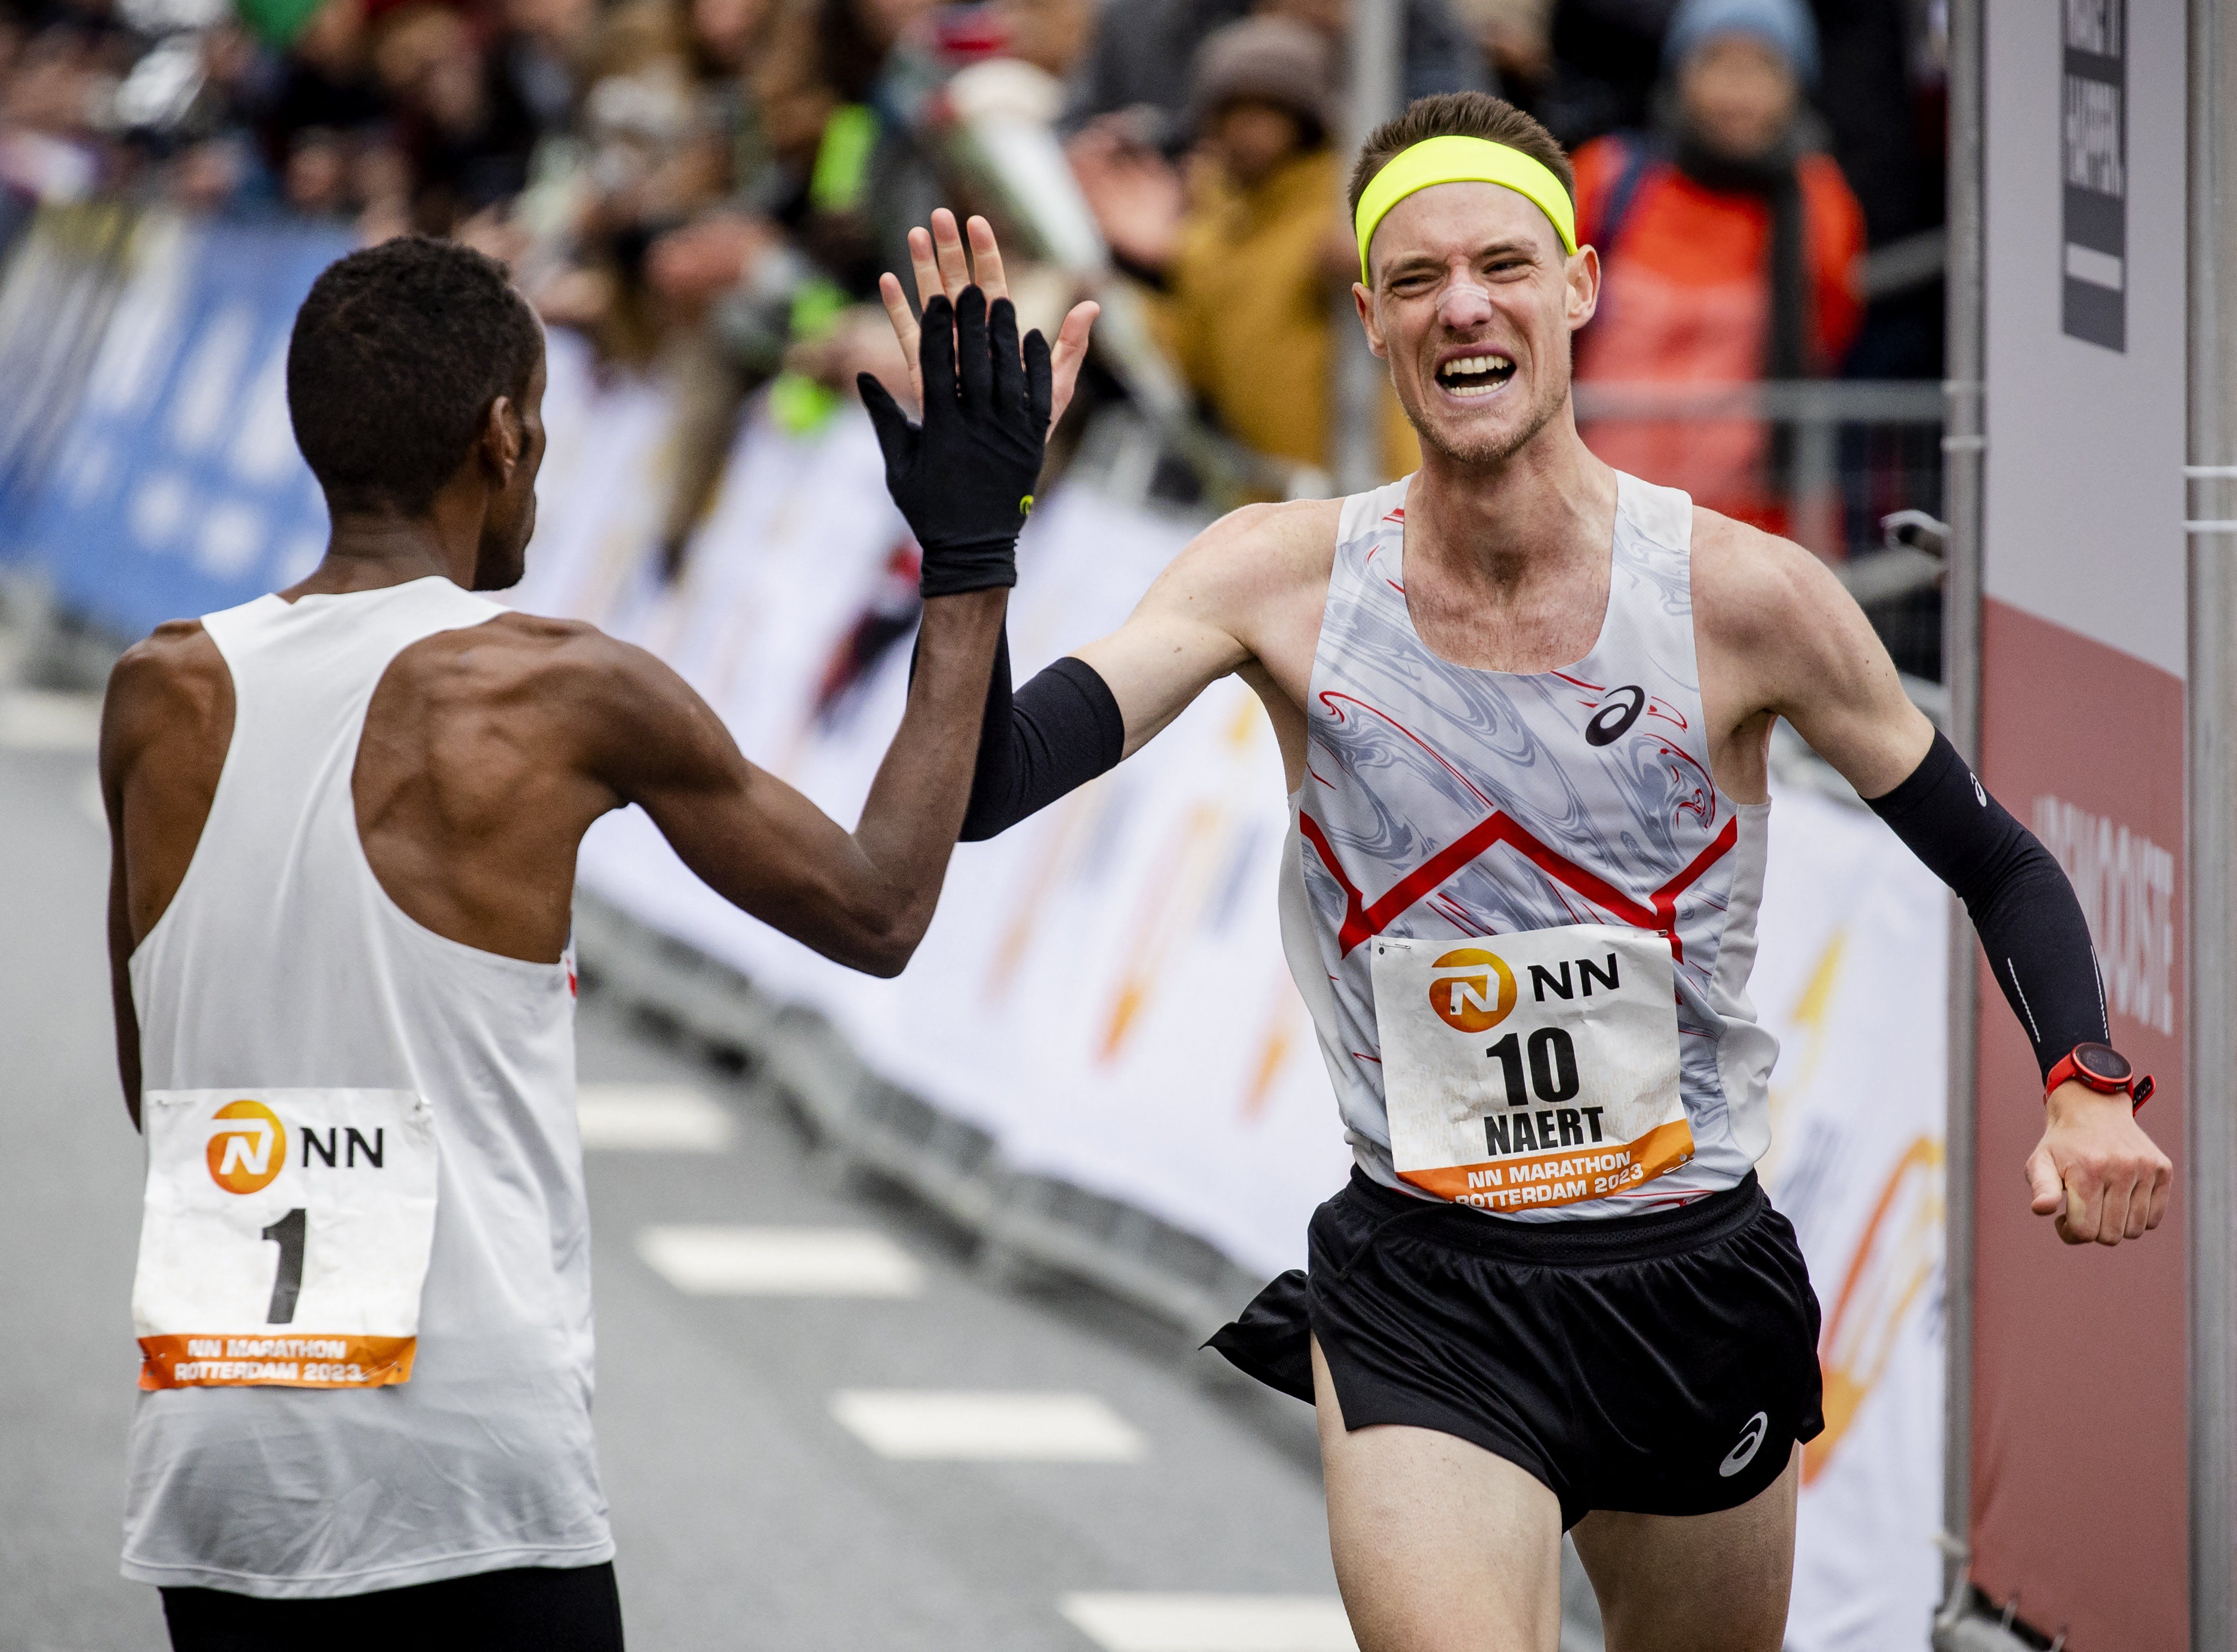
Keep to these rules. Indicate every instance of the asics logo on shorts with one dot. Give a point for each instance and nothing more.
(1744, 1453)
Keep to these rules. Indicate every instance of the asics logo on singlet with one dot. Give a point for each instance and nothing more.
(1617, 714)
(1744, 1453)
(249, 1147)
(1478, 995)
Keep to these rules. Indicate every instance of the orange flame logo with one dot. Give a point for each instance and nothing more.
(250, 1151)
(1467, 1002)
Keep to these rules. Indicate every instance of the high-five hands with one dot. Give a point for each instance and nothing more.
(938, 261)
(2095, 1171)
(965, 478)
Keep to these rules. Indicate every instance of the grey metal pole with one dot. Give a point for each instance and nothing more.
(1376, 56)
(2211, 1134)
(1964, 449)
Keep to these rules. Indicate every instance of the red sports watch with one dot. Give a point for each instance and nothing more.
(2103, 1069)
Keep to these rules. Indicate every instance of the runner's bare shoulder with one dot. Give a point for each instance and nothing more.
(170, 688)
(1783, 631)
(613, 703)
(1256, 555)
(554, 666)
(1754, 590)
(1296, 537)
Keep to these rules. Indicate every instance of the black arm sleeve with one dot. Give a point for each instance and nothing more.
(1058, 733)
(2029, 923)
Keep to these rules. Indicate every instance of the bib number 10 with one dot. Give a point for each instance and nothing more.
(1552, 1058)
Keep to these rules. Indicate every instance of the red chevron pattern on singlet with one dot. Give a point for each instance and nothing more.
(1442, 801)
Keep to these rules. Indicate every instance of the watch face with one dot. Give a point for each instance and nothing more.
(2102, 1063)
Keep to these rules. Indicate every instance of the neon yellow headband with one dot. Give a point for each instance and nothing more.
(1456, 160)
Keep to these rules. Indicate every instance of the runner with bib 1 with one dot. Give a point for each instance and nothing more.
(1531, 1069)
(286, 1237)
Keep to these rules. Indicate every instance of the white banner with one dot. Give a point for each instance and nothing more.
(1851, 977)
(1104, 989)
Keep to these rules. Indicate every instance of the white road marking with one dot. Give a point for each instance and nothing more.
(928, 1425)
(37, 719)
(1211, 1623)
(652, 1118)
(779, 1261)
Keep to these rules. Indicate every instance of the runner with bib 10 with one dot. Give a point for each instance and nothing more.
(1576, 1029)
(1524, 704)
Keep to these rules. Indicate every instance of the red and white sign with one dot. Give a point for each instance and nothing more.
(2080, 1463)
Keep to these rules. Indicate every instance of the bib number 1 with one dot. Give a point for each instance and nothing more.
(1533, 1069)
(285, 1239)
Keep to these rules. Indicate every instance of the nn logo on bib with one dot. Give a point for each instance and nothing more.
(1477, 995)
(248, 1149)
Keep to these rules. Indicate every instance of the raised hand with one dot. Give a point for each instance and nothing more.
(965, 478)
(942, 269)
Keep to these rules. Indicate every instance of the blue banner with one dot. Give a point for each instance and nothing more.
(178, 489)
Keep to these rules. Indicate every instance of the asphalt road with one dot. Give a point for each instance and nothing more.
(747, 1515)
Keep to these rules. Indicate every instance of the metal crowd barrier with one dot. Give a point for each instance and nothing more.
(1856, 452)
(862, 1124)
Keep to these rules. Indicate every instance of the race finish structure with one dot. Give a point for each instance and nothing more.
(1531, 1069)
(286, 1237)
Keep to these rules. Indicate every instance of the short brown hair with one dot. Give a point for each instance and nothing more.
(1459, 115)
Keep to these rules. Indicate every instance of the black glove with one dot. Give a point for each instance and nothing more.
(965, 479)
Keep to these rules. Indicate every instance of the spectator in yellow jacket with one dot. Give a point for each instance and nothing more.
(1251, 251)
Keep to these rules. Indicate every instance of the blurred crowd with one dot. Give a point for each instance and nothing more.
(708, 189)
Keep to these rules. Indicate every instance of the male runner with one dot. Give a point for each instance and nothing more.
(344, 821)
(1524, 704)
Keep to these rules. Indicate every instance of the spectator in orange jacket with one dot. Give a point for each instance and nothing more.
(1727, 244)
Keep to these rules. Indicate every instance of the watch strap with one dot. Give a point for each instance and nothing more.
(2138, 1087)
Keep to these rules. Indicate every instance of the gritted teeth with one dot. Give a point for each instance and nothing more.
(1475, 375)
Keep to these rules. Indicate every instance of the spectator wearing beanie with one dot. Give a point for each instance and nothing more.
(1139, 61)
(1258, 259)
(1727, 243)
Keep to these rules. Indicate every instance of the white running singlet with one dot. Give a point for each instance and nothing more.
(376, 1065)
(1443, 804)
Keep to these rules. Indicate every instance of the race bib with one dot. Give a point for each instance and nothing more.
(1531, 1069)
(286, 1237)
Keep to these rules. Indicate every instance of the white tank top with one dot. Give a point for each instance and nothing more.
(282, 962)
(1443, 802)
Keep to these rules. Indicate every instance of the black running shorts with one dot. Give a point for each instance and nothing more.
(1661, 1363)
(523, 1609)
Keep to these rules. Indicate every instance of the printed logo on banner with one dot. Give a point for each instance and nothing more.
(2093, 132)
(2126, 885)
(248, 1149)
(175, 486)
(1890, 1268)
(1465, 1000)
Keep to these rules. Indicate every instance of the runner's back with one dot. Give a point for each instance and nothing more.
(284, 975)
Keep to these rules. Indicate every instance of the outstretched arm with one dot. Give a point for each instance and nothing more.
(1778, 615)
(964, 478)
(1244, 598)
(863, 898)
